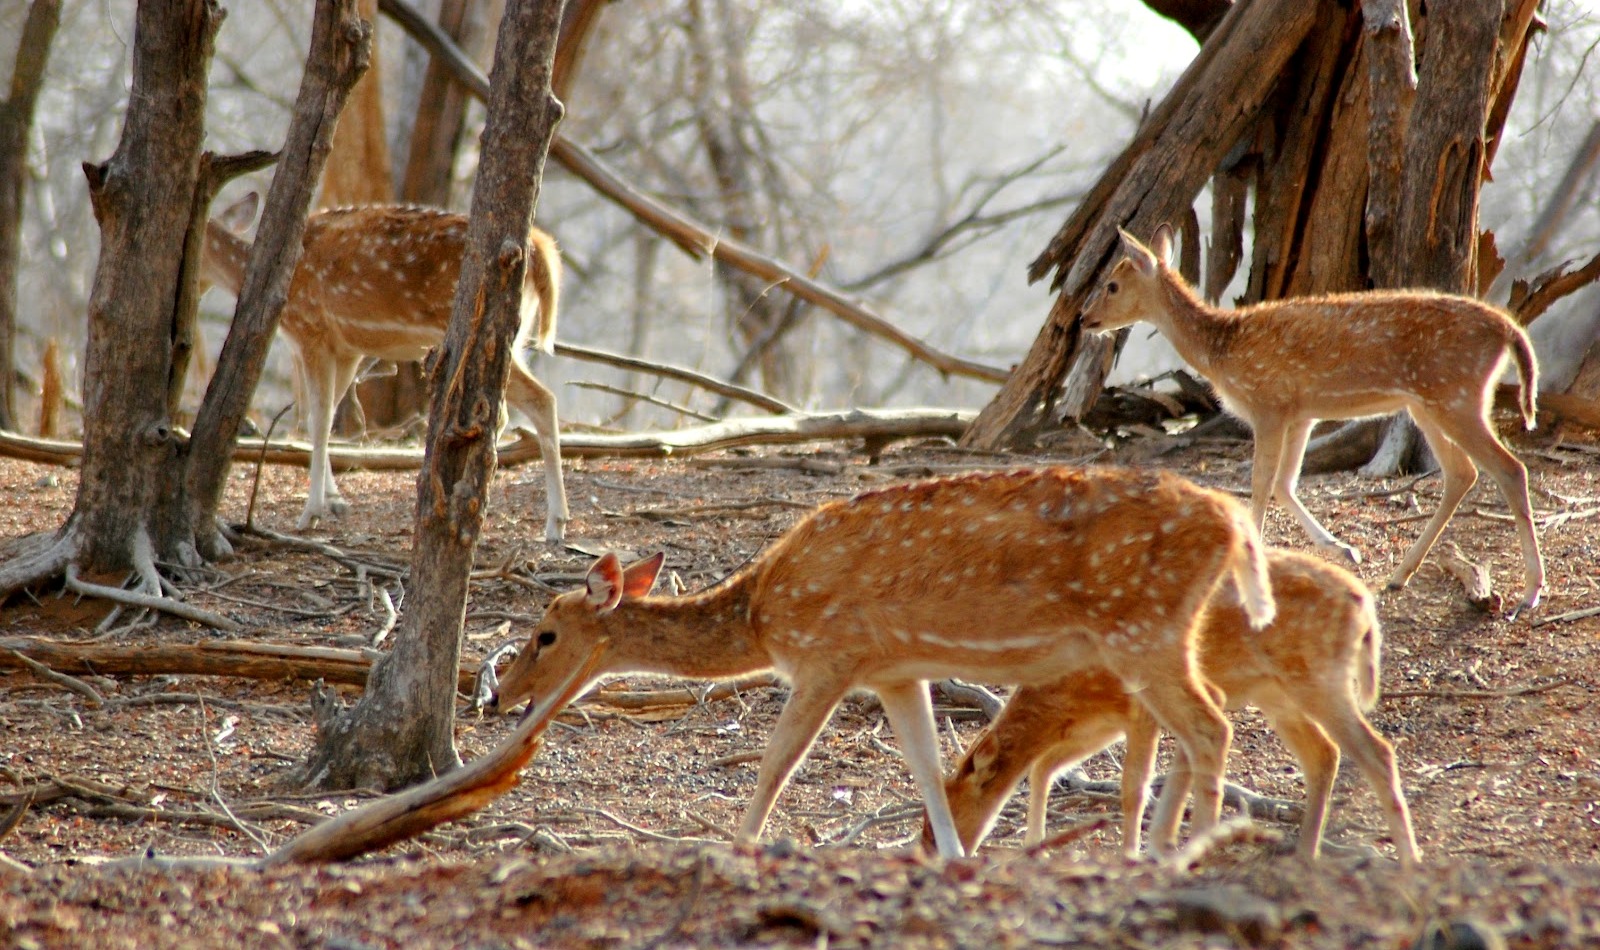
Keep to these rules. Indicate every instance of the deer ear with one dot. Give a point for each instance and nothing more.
(1161, 245)
(1138, 254)
(640, 576)
(605, 584)
(237, 216)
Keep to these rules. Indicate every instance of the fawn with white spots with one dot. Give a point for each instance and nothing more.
(1311, 672)
(1283, 365)
(379, 281)
(1018, 577)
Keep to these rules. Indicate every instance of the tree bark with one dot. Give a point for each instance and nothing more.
(339, 54)
(16, 120)
(1154, 180)
(142, 199)
(401, 732)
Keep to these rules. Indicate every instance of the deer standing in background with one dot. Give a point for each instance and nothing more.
(1019, 577)
(1311, 672)
(1282, 366)
(379, 280)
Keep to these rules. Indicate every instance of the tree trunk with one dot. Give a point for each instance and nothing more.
(142, 198)
(16, 120)
(401, 732)
(339, 54)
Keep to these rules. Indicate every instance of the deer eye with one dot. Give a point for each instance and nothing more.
(547, 638)
(1111, 288)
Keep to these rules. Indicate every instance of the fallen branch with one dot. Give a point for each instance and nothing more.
(727, 434)
(722, 388)
(450, 796)
(1567, 617)
(1477, 693)
(1474, 579)
(61, 679)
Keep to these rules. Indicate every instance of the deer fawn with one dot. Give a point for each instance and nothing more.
(1311, 672)
(1018, 577)
(1281, 366)
(379, 280)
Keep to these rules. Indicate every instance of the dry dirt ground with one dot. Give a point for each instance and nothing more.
(617, 835)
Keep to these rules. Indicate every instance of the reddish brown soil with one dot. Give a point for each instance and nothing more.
(616, 836)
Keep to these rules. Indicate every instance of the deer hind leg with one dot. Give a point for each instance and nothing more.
(1475, 437)
(910, 712)
(539, 404)
(326, 378)
(1286, 483)
(1337, 713)
(1460, 474)
(802, 719)
(1318, 756)
(1176, 699)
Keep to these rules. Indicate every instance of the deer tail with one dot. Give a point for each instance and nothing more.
(1250, 571)
(1528, 373)
(542, 287)
(1368, 660)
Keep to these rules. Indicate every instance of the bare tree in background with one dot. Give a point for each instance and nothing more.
(16, 121)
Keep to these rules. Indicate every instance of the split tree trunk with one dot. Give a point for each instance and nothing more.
(142, 198)
(402, 730)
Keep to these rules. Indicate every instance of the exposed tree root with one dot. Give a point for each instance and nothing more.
(33, 559)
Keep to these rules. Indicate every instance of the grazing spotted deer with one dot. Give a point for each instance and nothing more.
(1311, 672)
(1283, 365)
(1018, 577)
(379, 280)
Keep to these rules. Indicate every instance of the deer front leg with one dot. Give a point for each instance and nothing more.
(1138, 761)
(910, 713)
(323, 377)
(1291, 456)
(802, 719)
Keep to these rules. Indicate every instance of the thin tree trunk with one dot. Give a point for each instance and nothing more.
(340, 46)
(401, 732)
(16, 119)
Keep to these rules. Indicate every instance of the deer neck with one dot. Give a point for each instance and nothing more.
(223, 262)
(707, 635)
(1201, 334)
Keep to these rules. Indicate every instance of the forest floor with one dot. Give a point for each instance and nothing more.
(618, 834)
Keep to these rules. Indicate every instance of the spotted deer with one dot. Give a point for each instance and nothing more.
(1312, 672)
(379, 281)
(1018, 577)
(1284, 365)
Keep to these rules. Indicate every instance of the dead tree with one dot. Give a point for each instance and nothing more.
(401, 732)
(1306, 109)
(146, 494)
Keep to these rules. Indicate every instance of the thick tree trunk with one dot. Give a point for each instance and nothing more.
(16, 119)
(340, 46)
(401, 732)
(142, 199)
